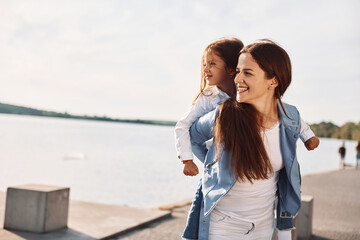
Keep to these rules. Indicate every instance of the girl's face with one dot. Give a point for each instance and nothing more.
(215, 71)
(252, 86)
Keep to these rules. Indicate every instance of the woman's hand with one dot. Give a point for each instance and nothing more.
(312, 143)
(190, 168)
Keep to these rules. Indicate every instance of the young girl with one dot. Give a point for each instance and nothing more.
(219, 61)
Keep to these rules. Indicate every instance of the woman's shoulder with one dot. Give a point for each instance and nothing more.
(211, 115)
(290, 115)
(289, 109)
(289, 106)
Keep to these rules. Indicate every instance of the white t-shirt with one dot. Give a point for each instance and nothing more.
(254, 201)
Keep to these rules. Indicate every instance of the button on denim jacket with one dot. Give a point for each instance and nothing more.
(217, 181)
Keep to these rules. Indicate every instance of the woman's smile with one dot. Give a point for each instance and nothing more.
(241, 89)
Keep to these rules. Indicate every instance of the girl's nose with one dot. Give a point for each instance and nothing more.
(206, 68)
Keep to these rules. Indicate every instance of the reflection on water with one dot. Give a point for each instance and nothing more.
(75, 156)
(114, 163)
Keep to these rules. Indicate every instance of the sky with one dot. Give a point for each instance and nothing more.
(141, 59)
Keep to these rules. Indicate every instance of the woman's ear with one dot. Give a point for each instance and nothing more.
(274, 83)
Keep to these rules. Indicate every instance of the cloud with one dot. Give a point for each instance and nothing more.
(141, 59)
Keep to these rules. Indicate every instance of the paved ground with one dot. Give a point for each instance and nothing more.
(88, 221)
(167, 229)
(336, 210)
(336, 204)
(336, 213)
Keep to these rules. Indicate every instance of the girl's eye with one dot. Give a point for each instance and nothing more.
(212, 63)
(237, 72)
(247, 73)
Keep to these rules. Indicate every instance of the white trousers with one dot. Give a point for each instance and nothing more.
(224, 227)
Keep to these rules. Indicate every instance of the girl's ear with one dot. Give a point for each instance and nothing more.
(231, 72)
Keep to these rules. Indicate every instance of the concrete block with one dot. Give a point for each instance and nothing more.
(293, 233)
(304, 218)
(36, 208)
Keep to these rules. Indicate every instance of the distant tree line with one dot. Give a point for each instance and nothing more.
(13, 109)
(349, 130)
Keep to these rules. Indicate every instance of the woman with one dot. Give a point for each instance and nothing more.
(253, 159)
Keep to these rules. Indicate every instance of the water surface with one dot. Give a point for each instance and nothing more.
(113, 163)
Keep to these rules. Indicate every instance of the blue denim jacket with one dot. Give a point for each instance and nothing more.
(217, 181)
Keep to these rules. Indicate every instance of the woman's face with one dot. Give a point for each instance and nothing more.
(252, 86)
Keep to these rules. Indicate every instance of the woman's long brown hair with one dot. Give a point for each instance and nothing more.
(237, 129)
(238, 126)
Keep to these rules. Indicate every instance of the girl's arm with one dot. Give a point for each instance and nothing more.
(308, 137)
(305, 131)
(200, 132)
(182, 136)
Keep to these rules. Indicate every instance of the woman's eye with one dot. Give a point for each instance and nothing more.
(212, 63)
(237, 72)
(247, 73)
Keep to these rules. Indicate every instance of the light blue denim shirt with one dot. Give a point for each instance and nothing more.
(218, 180)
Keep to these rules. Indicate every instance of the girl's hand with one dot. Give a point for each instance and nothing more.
(190, 168)
(312, 143)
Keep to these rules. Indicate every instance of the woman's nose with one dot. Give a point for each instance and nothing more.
(238, 78)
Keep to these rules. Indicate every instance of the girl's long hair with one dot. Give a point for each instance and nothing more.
(238, 126)
(228, 49)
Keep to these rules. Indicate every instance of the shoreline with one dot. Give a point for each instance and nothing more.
(25, 111)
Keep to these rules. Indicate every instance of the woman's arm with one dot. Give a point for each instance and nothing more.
(200, 132)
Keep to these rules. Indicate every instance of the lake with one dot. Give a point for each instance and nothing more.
(114, 163)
